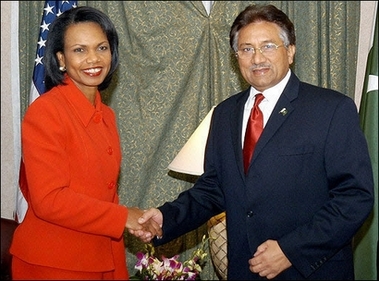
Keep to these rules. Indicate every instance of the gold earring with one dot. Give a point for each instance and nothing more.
(62, 68)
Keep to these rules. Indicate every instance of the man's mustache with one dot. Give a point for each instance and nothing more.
(257, 66)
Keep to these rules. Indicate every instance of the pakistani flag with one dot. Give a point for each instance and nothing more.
(366, 240)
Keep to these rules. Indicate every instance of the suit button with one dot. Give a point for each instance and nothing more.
(97, 117)
(110, 150)
(111, 185)
(250, 214)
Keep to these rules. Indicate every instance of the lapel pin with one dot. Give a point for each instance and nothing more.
(283, 111)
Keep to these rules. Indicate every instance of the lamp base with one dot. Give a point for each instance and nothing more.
(218, 244)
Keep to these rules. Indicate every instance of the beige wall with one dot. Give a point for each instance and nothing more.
(10, 109)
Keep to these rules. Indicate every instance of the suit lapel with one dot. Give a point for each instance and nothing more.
(279, 115)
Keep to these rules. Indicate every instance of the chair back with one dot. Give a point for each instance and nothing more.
(8, 227)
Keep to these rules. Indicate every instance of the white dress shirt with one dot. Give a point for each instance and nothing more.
(267, 105)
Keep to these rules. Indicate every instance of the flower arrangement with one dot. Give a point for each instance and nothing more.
(151, 268)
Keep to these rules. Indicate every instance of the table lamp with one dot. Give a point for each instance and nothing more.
(190, 160)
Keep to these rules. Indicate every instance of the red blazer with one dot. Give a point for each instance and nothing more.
(72, 155)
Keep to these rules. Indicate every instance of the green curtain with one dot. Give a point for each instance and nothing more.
(176, 64)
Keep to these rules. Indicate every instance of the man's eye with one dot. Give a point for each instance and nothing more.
(248, 49)
(268, 47)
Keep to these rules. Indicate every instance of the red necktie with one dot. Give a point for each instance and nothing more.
(254, 129)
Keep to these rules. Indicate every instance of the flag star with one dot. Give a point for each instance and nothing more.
(49, 9)
(41, 43)
(45, 26)
(73, 5)
(38, 60)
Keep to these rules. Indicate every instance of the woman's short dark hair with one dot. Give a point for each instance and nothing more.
(257, 13)
(55, 42)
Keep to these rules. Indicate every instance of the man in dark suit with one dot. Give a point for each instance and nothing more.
(309, 186)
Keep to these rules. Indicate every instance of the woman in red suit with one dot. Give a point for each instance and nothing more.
(74, 226)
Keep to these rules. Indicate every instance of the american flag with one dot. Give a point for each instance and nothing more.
(51, 10)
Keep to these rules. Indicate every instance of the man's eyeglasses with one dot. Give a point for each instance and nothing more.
(267, 49)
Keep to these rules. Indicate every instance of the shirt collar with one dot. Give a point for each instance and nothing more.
(84, 109)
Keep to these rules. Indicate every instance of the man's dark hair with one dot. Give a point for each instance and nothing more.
(257, 13)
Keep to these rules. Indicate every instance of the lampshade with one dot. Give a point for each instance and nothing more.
(190, 159)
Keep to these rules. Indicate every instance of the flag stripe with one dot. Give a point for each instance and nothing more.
(372, 83)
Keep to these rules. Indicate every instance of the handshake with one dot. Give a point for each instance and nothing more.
(144, 224)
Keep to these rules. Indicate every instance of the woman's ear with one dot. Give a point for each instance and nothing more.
(60, 58)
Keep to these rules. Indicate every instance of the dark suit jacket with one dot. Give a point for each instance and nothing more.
(309, 185)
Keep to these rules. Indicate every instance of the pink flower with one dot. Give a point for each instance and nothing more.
(151, 268)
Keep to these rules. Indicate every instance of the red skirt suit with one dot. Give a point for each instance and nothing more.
(71, 150)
